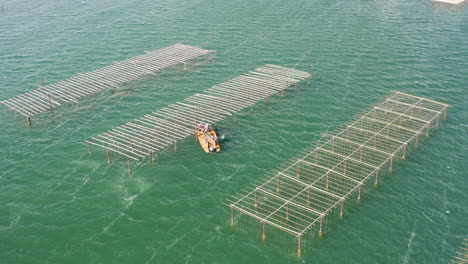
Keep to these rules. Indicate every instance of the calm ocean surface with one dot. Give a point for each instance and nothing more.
(59, 205)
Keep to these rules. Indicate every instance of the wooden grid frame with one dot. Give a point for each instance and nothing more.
(71, 90)
(304, 191)
(153, 132)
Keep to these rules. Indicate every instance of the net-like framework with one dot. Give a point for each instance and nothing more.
(461, 256)
(298, 196)
(46, 98)
(154, 132)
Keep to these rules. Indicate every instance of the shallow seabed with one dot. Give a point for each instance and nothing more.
(59, 205)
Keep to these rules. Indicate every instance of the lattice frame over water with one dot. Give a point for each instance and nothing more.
(301, 194)
(156, 131)
(46, 98)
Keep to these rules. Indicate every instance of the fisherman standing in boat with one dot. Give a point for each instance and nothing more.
(207, 138)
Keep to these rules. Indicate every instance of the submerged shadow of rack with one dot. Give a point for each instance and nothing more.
(154, 132)
(300, 195)
(46, 98)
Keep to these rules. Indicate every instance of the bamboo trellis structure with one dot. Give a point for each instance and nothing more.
(46, 98)
(461, 257)
(301, 194)
(153, 132)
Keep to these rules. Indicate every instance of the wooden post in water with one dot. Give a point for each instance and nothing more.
(391, 164)
(404, 151)
(282, 90)
(256, 198)
(359, 193)
(298, 168)
(320, 233)
(376, 183)
(232, 215)
(108, 157)
(89, 148)
(308, 79)
(196, 119)
(29, 120)
(129, 167)
(341, 210)
(299, 245)
(50, 105)
(278, 185)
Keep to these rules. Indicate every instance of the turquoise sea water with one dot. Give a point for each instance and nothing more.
(59, 205)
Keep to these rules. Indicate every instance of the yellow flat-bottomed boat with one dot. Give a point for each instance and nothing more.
(207, 138)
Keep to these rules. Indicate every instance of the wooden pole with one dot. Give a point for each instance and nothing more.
(256, 197)
(376, 183)
(298, 168)
(264, 232)
(344, 165)
(282, 90)
(108, 157)
(341, 210)
(359, 193)
(328, 178)
(129, 168)
(232, 215)
(29, 120)
(299, 245)
(89, 148)
(391, 163)
(50, 105)
(308, 80)
(404, 151)
(321, 224)
(196, 118)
